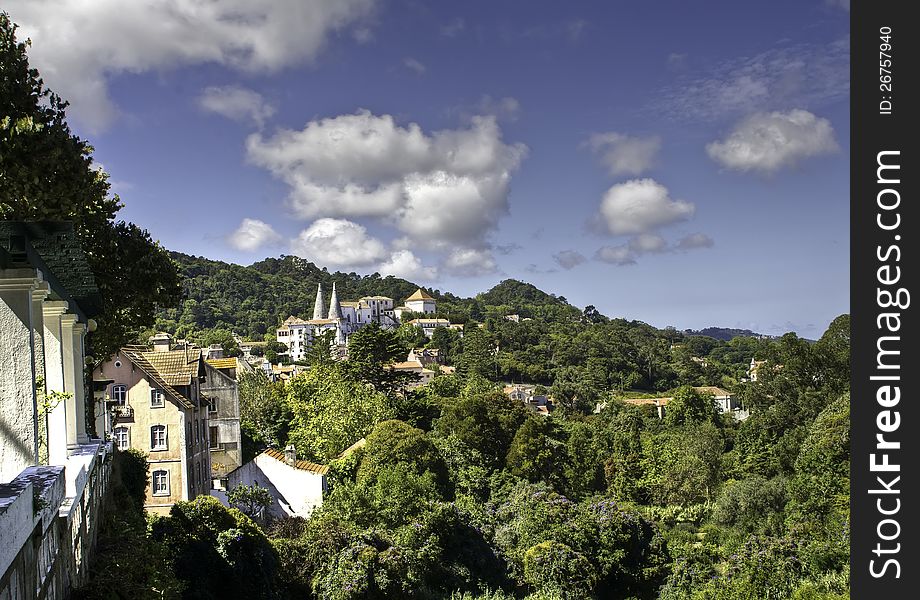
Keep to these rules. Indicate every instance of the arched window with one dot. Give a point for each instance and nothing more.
(122, 438)
(160, 482)
(158, 437)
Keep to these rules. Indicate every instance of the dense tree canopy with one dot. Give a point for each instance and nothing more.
(47, 173)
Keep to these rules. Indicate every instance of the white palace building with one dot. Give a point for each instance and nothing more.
(344, 318)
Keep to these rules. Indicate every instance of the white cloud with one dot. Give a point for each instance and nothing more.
(616, 255)
(236, 103)
(414, 65)
(338, 243)
(445, 188)
(639, 206)
(648, 243)
(79, 45)
(787, 75)
(843, 4)
(252, 234)
(470, 262)
(767, 142)
(506, 107)
(569, 259)
(405, 264)
(623, 154)
(695, 240)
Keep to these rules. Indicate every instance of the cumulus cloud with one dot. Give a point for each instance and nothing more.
(623, 154)
(767, 142)
(79, 45)
(569, 259)
(640, 206)
(694, 241)
(236, 103)
(338, 243)
(405, 264)
(616, 255)
(252, 234)
(446, 188)
(470, 262)
(414, 65)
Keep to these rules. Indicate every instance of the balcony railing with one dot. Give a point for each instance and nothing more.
(122, 411)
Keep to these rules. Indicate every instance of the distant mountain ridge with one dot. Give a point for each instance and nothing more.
(725, 334)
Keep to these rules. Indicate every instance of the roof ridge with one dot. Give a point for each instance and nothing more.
(141, 361)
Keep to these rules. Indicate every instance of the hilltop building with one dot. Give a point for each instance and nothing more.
(429, 325)
(345, 317)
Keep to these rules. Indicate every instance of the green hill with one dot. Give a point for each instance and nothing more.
(252, 300)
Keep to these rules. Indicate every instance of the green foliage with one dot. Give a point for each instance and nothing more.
(265, 417)
(555, 568)
(478, 357)
(217, 552)
(223, 337)
(752, 505)
(319, 352)
(331, 412)
(534, 453)
(486, 422)
(127, 563)
(395, 442)
(689, 407)
(47, 173)
(252, 500)
(370, 350)
(682, 466)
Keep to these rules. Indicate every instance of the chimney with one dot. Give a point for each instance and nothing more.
(290, 455)
(161, 342)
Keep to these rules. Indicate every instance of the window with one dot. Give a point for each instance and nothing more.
(160, 481)
(188, 433)
(215, 437)
(119, 393)
(158, 437)
(122, 440)
(197, 431)
(212, 405)
(198, 476)
(157, 399)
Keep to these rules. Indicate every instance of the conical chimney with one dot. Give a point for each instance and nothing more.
(318, 307)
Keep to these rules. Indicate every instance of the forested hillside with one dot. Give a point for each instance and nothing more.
(462, 493)
(582, 353)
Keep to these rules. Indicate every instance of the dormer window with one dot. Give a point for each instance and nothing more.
(157, 398)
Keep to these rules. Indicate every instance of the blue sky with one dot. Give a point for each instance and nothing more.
(679, 163)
